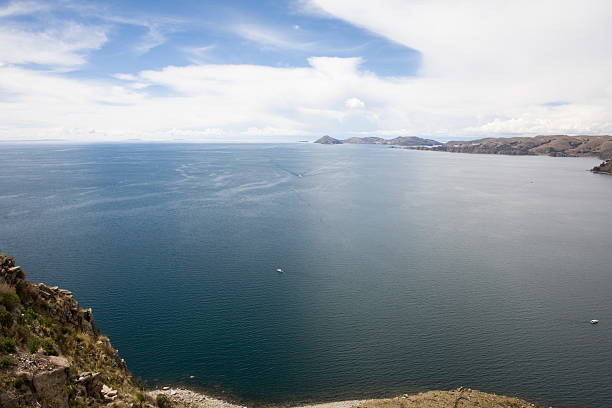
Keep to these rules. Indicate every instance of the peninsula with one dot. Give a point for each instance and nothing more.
(52, 355)
(556, 145)
(398, 141)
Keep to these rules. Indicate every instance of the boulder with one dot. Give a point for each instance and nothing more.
(91, 384)
(108, 393)
(50, 386)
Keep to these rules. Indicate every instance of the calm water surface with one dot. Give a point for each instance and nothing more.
(405, 270)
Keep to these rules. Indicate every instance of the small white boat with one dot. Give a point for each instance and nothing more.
(279, 270)
(594, 321)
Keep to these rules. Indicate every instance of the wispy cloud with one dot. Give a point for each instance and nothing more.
(271, 38)
(157, 28)
(64, 45)
(19, 8)
(198, 55)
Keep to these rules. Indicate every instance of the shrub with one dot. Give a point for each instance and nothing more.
(6, 318)
(71, 390)
(48, 347)
(18, 382)
(30, 315)
(33, 344)
(77, 403)
(7, 345)
(45, 321)
(8, 297)
(7, 361)
(163, 401)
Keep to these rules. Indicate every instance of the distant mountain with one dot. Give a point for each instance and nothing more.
(557, 145)
(328, 140)
(364, 140)
(412, 141)
(398, 141)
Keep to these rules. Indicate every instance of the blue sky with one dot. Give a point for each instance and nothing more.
(293, 69)
(220, 32)
(237, 32)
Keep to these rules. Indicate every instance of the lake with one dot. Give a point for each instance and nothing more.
(404, 270)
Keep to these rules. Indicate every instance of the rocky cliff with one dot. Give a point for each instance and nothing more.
(52, 354)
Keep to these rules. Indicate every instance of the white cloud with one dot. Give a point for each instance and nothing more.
(354, 103)
(64, 45)
(489, 68)
(489, 65)
(244, 100)
(22, 8)
(271, 38)
(125, 77)
(154, 38)
(198, 55)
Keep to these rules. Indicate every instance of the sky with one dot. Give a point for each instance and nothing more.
(288, 70)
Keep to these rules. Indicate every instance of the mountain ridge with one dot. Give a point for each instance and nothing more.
(542, 145)
(398, 141)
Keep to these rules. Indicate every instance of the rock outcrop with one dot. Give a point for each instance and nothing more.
(604, 168)
(52, 354)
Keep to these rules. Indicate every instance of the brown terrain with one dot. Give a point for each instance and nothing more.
(557, 145)
(459, 398)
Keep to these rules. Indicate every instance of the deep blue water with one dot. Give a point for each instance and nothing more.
(405, 270)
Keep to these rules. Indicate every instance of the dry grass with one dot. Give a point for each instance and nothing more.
(461, 398)
(6, 289)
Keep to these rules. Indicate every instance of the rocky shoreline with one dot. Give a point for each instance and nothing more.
(603, 168)
(458, 398)
(185, 398)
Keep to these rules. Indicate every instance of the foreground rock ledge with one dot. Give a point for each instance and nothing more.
(459, 398)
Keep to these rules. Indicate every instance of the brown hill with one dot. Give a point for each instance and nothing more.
(459, 398)
(558, 145)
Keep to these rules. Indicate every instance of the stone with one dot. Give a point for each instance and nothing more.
(25, 375)
(51, 388)
(8, 400)
(59, 361)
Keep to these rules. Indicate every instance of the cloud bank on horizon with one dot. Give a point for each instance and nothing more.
(288, 70)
